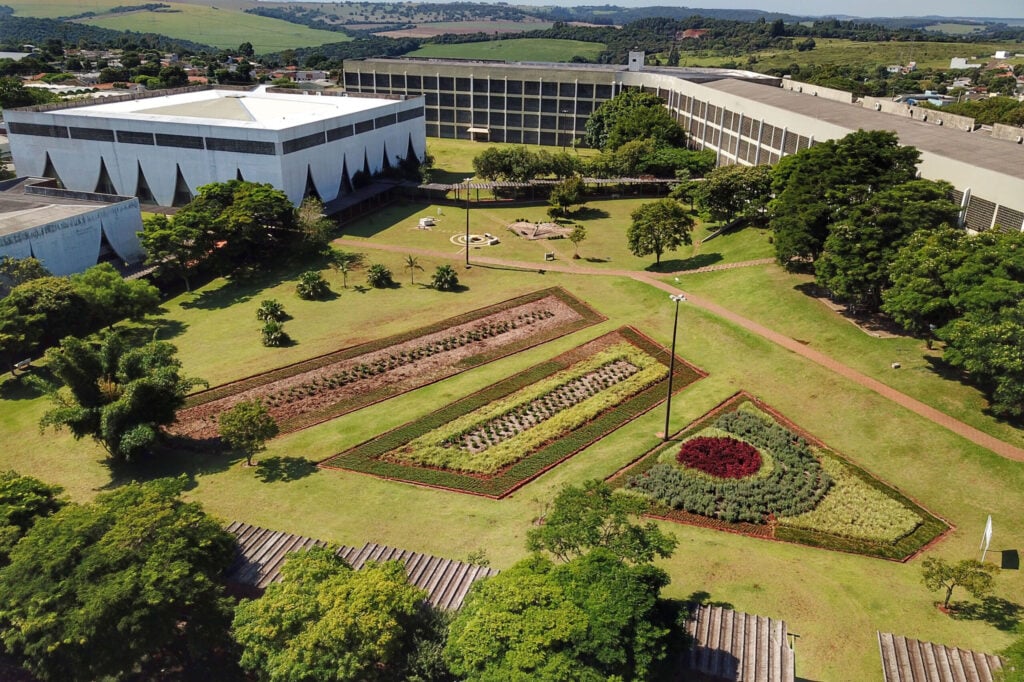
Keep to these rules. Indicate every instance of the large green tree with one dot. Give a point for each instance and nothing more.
(590, 516)
(970, 574)
(97, 589)
(990, 348)
(729, 192)
(176, 246)
(324, 621)
(115, 393)
(815, 187)
(111, 297)
(633, 115)
(23, 501)
(592, 618)
(858, 251)
(15, 271)
(657, 227)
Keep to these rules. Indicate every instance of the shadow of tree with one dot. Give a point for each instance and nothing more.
(173, 457)
(25, 386)
(701, 260)
(1000, 613)
(588, 213)
(284, 469)
(703, 598)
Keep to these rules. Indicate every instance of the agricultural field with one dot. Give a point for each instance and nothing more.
(431, 29)
(202, 23)
(847, 52)
(835, 601)
(522, 49)
(954, 29)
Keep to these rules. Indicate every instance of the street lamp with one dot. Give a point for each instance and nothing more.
(677, 298)
(467, 228)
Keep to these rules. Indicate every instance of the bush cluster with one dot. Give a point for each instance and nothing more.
(795, 486)
(720, 457)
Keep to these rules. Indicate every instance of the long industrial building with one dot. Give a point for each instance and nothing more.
(161, 148)
(744, 117)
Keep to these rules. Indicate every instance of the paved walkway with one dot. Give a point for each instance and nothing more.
(966, 431)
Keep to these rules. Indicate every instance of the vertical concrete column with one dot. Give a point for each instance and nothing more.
(964, 201)
(760, 141)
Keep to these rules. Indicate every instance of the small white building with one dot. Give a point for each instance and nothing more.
(67, 231)
(162, 147)
(1002, 54)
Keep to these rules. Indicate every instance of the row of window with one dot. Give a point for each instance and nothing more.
(510, 120)
(371, 81)
(212, 143)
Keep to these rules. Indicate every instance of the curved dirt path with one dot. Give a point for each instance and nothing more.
(958, 427)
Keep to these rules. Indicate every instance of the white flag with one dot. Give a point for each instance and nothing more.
(986, 537)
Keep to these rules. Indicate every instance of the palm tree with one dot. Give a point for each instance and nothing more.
(412, 264)
(344, 268)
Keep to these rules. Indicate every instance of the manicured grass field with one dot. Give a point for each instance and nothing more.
(208, 23)
(605, 247)
(522, 49)
(835, 602)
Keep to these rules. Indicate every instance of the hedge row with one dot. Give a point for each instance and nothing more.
(367, 457)
(588, 317)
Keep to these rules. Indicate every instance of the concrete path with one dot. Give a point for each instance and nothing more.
(966, 431)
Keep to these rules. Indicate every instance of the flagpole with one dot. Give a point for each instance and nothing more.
(986, 538)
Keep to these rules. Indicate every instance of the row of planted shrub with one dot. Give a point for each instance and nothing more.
(796, 484)
(588, 316)
(432, 448)
(367, 457)
(391, 362)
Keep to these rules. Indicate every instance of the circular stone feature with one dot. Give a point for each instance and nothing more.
(720, 457)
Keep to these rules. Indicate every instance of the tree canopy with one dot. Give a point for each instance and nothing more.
(657, 227)
(117, 394)
(94, 590)
(23, 501)
(591, 516)
(970, 574)
(592, 618)
(633, 115)
(728, 192)
(247, 427)
(816, 186)
(324, 621)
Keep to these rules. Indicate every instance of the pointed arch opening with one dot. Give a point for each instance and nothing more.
(104, 185)
(142, 190)
(49, 171)
(182, 194)
(310, 190)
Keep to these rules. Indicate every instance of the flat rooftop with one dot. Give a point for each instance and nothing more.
(975, 149)
(21, 211)
(257, 109)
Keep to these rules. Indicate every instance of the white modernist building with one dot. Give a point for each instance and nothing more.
(67, 231)
(161, 148)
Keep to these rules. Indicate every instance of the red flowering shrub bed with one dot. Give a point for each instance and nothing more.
(720, 457)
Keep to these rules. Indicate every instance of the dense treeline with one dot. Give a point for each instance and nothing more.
(1006, 110)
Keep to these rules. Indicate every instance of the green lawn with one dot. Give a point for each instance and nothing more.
(774, 298)
(835, 602)
(522, 49)
(202, 23)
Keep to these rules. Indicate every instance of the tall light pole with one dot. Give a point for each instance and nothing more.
(467, 227)
(677, 298)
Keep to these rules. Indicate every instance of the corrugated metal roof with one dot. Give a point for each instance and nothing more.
(739, 647)
(262, 552)
(910, 660)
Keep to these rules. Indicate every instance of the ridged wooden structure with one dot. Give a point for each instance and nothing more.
(261, 552)
(910, 660)
(739, 647)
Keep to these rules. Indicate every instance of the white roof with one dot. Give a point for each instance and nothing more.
(230, 108)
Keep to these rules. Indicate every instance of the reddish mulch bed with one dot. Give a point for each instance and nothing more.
(301, 395)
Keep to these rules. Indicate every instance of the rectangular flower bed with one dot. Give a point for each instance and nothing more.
(811, 495)
(494, 441)
(325, 387)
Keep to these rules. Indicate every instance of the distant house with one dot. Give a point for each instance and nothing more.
(692, 33)
(1002, 54)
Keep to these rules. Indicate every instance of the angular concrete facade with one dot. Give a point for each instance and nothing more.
(163, 148)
